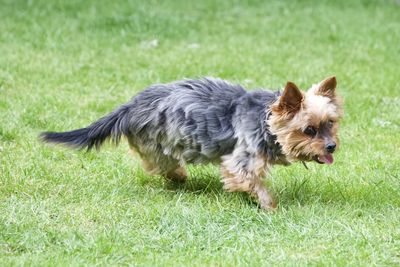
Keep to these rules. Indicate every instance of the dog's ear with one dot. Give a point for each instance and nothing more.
(327, 87)
(291, 98)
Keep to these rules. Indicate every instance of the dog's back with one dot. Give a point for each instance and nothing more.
(197, 120)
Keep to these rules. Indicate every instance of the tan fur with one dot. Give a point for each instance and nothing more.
(178, 175)
(317, 106)
(250, 180)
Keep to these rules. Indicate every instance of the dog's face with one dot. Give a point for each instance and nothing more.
(306, 123)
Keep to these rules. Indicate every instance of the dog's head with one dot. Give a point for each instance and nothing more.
(306, 123)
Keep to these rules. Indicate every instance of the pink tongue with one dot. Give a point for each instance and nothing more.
(328, 159)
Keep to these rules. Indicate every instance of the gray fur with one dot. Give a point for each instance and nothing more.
(189, 121)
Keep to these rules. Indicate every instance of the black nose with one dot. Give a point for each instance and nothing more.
(330, 147)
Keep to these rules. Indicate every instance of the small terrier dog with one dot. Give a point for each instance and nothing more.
(212, 121)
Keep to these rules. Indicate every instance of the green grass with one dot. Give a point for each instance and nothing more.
(64, 64)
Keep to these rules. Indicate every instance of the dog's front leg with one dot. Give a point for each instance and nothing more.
(243, 172)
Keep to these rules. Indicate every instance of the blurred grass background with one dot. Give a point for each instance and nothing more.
(64, 64)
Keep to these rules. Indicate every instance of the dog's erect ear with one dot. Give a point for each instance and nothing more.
(327, 87)
(291, 98)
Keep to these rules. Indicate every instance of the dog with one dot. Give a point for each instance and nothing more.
(210, 120)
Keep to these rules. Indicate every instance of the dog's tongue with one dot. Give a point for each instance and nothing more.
(328, 159)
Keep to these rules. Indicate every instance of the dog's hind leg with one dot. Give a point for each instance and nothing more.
(169, 169)
(178, 175)
(165, 166)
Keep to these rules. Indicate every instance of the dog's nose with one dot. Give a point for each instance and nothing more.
(330, 147)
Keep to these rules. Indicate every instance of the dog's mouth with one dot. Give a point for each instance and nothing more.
(323, 159)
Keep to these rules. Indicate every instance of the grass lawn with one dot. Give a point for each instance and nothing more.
(64, 64)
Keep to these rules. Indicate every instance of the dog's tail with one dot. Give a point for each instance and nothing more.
(112, 126)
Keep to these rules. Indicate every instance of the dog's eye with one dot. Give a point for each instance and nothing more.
(311, 131)
(330, 123)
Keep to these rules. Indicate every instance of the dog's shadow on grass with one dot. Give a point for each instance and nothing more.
(197, 184)
(291, 193)
(210, 185)
(201, 180)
